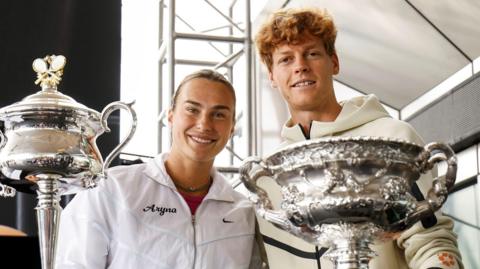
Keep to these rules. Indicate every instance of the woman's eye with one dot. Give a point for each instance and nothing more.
(191, 109)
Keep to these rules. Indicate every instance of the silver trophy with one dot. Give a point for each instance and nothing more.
(345, 193)
(49, 142)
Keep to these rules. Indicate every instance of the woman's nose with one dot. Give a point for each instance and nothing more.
(204, 122)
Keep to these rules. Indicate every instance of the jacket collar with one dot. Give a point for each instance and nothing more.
(220, 190)
(355, 112)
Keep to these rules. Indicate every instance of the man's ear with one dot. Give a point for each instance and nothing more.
(272, 81)
(336, 63)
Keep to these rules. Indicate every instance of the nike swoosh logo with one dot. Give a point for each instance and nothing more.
(226, 221)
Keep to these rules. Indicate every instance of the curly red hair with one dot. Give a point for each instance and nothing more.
(290, 26)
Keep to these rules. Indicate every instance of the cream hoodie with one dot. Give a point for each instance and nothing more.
(417, 248)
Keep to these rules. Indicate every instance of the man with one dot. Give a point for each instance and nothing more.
(298, 48)
(175, 211)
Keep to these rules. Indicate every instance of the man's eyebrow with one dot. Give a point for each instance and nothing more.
(284, 51)
(218, 107)
(309, 46)
(221, 107)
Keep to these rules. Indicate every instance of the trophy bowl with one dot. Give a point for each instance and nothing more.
(49, 132)
(348, 192)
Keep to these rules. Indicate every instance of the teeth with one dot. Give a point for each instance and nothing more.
(201, 140)
(303, 83)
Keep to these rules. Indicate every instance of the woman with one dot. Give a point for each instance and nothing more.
(175, 211)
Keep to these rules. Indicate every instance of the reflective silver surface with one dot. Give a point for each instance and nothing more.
(50, 141)
(49, 132)
(346, 193)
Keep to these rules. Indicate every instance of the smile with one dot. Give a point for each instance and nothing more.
(201, 140)
(303, 83)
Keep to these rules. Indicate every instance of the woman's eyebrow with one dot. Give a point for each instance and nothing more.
(193, 103)
(217, 107)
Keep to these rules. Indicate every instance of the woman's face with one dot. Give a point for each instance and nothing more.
(202, 120)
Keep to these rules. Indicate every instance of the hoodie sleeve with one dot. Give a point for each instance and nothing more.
(432, 247)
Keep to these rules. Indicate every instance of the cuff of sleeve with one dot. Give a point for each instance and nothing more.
(442, 260)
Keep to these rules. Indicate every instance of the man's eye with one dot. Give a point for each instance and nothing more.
(284, 60)
(219, 115)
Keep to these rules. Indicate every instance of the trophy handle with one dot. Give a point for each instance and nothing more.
(251, 170)
(6, 191)
(3, 140)
(437, 195)
(105, 114)
(441, 185)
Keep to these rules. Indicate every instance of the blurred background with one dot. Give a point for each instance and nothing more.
(421, 58)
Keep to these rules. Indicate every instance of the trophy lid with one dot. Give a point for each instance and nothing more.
(49, 74)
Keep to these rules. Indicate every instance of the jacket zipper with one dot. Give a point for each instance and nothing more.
(317, 257)
(194, 242)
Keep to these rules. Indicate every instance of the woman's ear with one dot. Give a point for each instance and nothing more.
(232, 132)
(170, 118)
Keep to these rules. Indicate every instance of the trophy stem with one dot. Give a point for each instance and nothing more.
(350, 255)
(48, 216)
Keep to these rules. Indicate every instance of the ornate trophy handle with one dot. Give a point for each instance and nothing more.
(437, 195)
(441, 185)
(3, 140)
(105, 114)
(252, 169)
(6, 191)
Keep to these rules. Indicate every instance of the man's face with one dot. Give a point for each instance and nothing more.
(202, 120)
(304, 74)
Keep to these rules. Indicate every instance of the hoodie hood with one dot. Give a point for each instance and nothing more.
(355, 112)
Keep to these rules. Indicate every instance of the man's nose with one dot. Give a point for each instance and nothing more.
(301, 65)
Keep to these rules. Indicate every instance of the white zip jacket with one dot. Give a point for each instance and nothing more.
(136, 219)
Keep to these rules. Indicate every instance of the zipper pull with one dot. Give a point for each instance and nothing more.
(193, 219)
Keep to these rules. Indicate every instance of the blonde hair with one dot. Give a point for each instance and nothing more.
(207, 74)
(289, 26)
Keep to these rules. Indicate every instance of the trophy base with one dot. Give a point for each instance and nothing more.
(350, 255)
(48, 217)
(349, 244)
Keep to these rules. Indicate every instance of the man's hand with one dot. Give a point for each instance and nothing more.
(443, 260)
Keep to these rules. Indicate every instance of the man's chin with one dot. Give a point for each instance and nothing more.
(305, 106)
